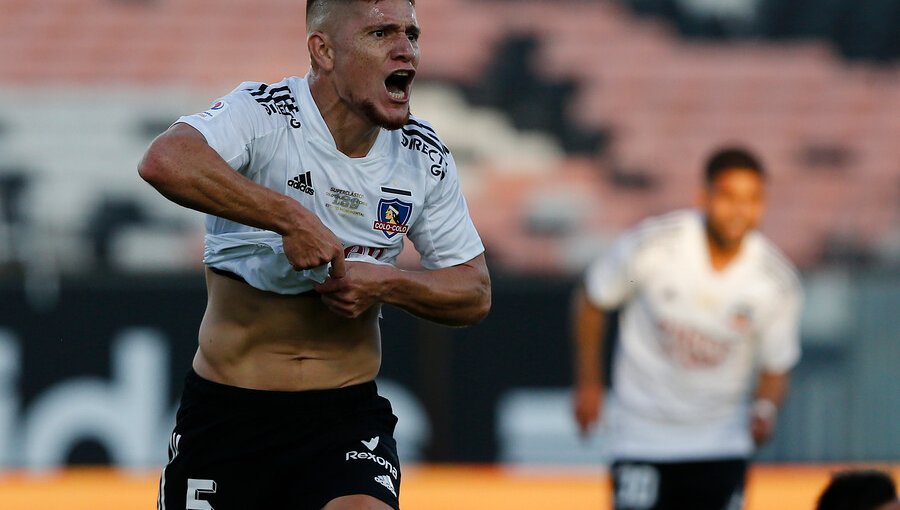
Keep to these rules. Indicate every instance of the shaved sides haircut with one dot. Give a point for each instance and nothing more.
(317, 11)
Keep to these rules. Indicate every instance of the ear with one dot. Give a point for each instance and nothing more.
(321, 52)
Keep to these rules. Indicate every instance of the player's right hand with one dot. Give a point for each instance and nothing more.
(312, 245)
(588, 399)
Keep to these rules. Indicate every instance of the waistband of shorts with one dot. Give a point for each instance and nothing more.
(199, 386)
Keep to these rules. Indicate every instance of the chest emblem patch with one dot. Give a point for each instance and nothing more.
(392, 217)
(742, 319)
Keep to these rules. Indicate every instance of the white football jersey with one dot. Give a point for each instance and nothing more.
(406, 185)
(691, 338)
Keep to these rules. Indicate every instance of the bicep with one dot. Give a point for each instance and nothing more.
(166, 150)
(179, 145)
(584, 306)
(187, 131)
(587, 317)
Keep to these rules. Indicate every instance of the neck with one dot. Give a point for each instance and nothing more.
(353, 134)
(721, 252)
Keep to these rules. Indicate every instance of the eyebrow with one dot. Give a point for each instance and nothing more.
(395, 27)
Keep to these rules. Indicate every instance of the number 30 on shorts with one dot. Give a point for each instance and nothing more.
(638, 486)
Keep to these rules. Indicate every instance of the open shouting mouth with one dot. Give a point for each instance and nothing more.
(398, 84)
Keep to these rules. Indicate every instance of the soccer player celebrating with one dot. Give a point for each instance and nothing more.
(309, 185)
(709, 313)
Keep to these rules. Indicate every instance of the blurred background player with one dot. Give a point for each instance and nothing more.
(859, 490)
(705, 300)
(280, 408)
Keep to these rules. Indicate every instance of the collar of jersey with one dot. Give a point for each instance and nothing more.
(315, 125)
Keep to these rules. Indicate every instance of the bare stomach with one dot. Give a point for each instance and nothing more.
(261, 340)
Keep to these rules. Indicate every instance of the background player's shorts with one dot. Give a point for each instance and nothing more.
(701, 485)
(235, 448)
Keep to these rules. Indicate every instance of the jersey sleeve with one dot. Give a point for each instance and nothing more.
(230, 125)
(444, 234)
(612, 279)
(780, 335)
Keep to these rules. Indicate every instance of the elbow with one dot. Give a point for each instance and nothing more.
(473, 311)
(152, 167)
(483, 303)
(484, 306)
(480, 308)
(157, 166)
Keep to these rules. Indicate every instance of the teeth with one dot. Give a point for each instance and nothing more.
(397, 83)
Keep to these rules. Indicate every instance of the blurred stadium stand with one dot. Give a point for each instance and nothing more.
(570, 121)
(607, 113)
(858, 30)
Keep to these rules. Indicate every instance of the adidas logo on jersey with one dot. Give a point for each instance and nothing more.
(303, 182)
(388, 484)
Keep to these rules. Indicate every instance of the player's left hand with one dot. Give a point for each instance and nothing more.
(763, 416)
(356, 292)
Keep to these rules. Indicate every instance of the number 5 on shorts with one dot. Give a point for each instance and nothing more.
(196, 487)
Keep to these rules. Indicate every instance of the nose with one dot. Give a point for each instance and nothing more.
(405, 50)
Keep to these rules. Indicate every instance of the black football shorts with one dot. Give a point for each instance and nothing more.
(716, 484)
(240, 449)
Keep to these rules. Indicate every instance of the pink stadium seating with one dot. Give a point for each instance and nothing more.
(667, 101)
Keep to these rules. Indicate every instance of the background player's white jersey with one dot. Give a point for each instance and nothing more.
(407, 184)
(690, 338)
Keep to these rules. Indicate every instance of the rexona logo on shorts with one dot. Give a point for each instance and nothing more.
(371, 444)
(392, 217)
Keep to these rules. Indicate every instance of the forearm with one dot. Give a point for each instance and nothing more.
(769, 394)
(772, 387)
(186, 170)
(454, 296)
(587, 325)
